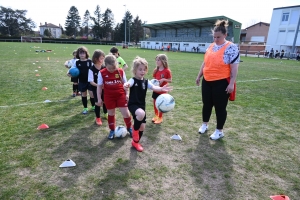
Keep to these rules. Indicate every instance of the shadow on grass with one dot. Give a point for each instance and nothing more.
(212, 169)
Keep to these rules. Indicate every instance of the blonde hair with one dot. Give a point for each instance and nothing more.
(221, 26)
(164, 59)
(110, 60)
(137, 62)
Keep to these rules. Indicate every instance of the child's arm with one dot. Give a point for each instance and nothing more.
(91, 78)
(165, 88)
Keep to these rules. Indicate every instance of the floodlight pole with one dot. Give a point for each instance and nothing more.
(125, 24)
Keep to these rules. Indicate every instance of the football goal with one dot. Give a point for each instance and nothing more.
(31, 39)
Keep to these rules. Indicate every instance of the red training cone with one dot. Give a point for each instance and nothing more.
(44, 88)
(42, 126)
(279, 197)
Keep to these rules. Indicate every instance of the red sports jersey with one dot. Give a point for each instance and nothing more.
(165, 73)
(112, 82)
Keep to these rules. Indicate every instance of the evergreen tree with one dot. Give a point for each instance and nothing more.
(137, 29)
(85, 24)
(72, 24)
(107, 23)
(14, 22)
(97, 23)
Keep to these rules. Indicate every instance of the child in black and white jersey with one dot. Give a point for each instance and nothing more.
(138, 86)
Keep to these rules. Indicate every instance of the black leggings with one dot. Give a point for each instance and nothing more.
(214, 94)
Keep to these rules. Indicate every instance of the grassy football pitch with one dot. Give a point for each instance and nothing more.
(257, 158)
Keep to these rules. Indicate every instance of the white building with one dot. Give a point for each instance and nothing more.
(55, 30)
(282, 31)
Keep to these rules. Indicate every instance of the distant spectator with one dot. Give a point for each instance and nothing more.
(271, 53)
(282, 54)
(162, 48)
(276, 53)
(266, 53)
(168, 47)
(194, 49)
(298, 56)
(197, 49)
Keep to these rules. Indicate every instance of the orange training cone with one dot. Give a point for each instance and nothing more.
(279, 197)
(44, 88)
(42, 126)
(37, 75)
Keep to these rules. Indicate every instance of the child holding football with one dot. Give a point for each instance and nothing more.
(164, 75)
(83, 64)
(111, 79)
(137, 98)
(69, 64)
(97, 59)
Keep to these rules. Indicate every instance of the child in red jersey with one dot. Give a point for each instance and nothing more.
(111, 79)
(137, 99)
(163, 74)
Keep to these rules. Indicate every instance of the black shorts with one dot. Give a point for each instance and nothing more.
(133, 108)
(83, 87)
(74, 79)
(155, 95)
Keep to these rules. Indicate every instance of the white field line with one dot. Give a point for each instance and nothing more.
(189, 87)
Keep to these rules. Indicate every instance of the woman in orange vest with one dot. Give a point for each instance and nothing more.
(219, 71)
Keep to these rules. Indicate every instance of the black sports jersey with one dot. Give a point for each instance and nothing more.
(83, 67)
(95, 74)
(138, 93)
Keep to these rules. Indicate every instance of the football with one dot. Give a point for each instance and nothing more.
(165, 103)
(120, 132)
(154, 82)
(74, 72)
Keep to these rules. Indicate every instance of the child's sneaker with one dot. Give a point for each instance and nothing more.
(203, 128)
(74, 94)
(154, 118)
(159, 120)
(217, 135)
(98, 121)
(106, 116)
(93, 108)
(137, 146)
(111, 135)
(130, 132)
(85, 111)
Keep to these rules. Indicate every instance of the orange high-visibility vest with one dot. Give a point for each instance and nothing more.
(215, 68)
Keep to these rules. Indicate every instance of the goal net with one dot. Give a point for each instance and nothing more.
(31, 39)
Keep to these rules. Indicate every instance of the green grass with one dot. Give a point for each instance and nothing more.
(258, 157)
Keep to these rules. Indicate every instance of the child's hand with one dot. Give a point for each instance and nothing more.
(126, 86)
(166, 88)
(69, 75)
(99, 103)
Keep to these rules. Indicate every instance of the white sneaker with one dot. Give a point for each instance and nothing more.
(203, 128)
(217, 135)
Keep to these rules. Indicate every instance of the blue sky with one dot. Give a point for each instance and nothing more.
(155, 11)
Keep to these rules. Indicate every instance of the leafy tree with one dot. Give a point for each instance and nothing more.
(85, 24)
(97, 23)
(14, 22)
(72, 24)
(107, 23)
(137, 30)
(47, 33)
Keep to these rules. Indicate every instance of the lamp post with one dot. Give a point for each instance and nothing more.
(125, 24)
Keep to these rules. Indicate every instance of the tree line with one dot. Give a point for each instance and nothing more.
(99, 26)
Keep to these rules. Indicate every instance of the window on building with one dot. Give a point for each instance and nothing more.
(281, 31)
(285, 17)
